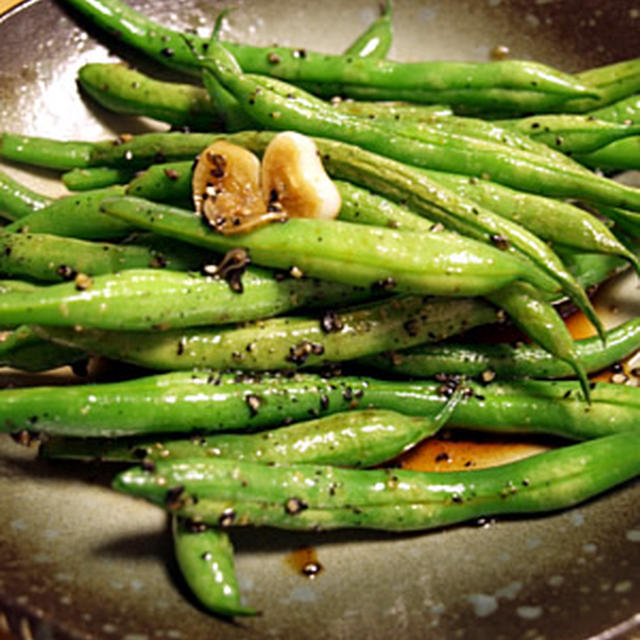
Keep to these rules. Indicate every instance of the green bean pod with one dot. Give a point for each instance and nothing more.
(143, 299)
(22, 349)
(553, 220)
(614, 82)
(374, 43)
(508, 361)
(572, 134)
(357, 439)
(435, 149)
(75, 216)
(39, 256)
(434, 263)
(96, 178)
(625, 111)
(205, 557)
(127, 91)
(467, 82)
(289, 342)
(188, 402)
(311, 497)
(623, 155)
(124, 90)
(17, 200)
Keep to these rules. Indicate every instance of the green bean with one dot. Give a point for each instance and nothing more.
(39, 256)
(289, 342)
(311, 497)
(356, 439)
(626, 111)
(138, 299)
(592, 269)
(274, 246)
(96, 178)
(374, 43)
(628, 221)
(573, 134)
(188, 402)
(205, 557)
(613, 82)
(411, 186)
(17, 200)
(42, 152)
(434, 150)
(124, 90)
(509, 361)
(533, 315)
(75, 216)
(513, 81)
(17, 286)
(22, 349)
(343, 252)
(552, 220)
(623, 155)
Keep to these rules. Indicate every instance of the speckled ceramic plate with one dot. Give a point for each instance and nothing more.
(79, 561)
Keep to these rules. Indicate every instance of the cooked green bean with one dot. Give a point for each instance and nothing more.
(138, 299)
(623, 155)
(435, 149)
(17, 200)
(39, 256)
(288, 342)
(507, 360)
(553, 220)
(75, 216)
(626, 111)
(357, 439)
(573, 134)
(23, 349)
(205, 557)
(310, 497)
(435, 263)
(96, 178)
(374, 43)
(520, 84)
(188, 402)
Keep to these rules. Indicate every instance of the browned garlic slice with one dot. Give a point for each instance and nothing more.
(235, 195)
(226, 189)
(294, 180)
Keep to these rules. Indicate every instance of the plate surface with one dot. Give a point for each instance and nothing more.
(79, 561)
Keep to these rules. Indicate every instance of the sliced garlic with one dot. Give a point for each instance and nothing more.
(226, 189)
(294, 180)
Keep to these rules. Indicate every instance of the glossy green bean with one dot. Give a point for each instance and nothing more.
(435, 149)
(17, 200)
(508, 361)
(143, 299)
(344, 252)
(374, 43)
(573, 134)
(22, 349)
(626, 111)
(39, 256)
(96, 178)
(467, 82)
(553, 220)
(356, 439)
(209, 402)
(290, 342)
(311, 497)
(75, 216)
(205, 557)
(623, 155)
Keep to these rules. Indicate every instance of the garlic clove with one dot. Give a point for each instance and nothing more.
(294, 180)
(226, 189)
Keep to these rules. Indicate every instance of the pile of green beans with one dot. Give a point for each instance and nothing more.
(249, 405)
